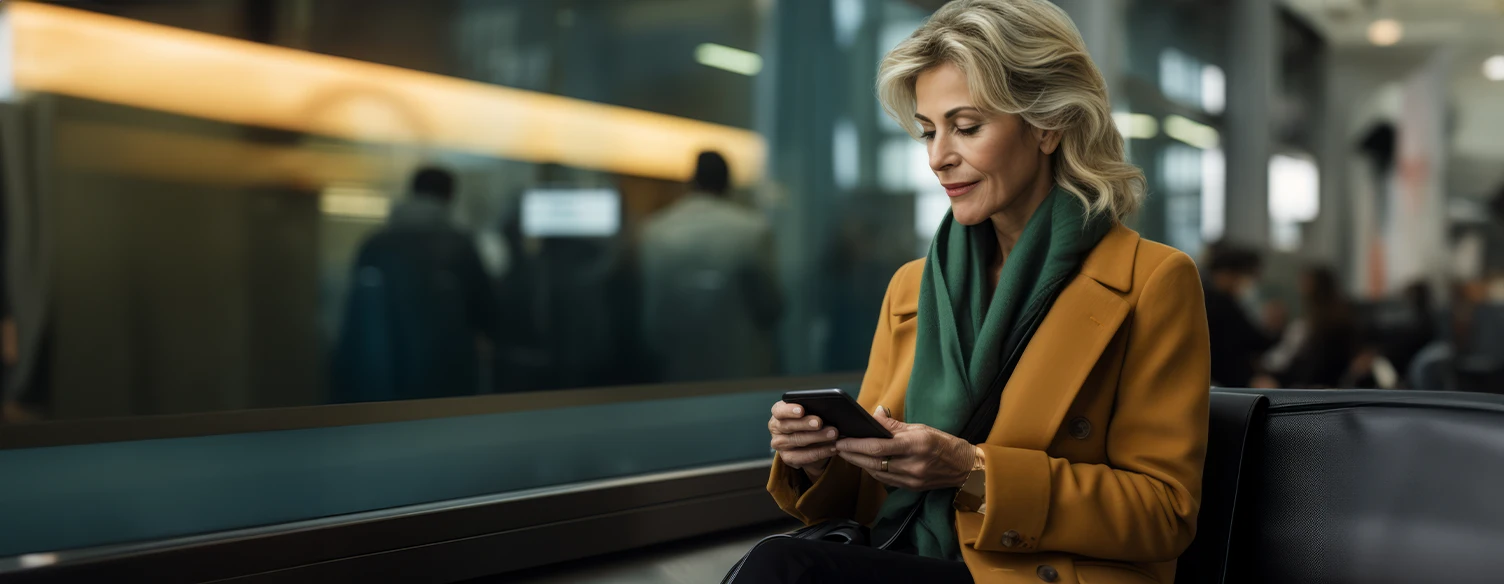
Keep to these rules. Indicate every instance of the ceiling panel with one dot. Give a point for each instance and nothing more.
(1426, 22)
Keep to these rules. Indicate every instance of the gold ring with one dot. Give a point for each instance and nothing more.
(885, 463)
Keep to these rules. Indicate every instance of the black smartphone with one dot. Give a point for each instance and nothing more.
(838, 410)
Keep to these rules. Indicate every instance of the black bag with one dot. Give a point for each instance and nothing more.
(844, 531)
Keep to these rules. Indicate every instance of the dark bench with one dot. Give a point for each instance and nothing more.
(1374, 487)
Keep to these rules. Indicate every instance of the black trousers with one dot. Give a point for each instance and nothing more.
(807, 561)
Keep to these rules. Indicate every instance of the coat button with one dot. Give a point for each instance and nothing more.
(1047, 573)
(1010, 538)
(1080, 428)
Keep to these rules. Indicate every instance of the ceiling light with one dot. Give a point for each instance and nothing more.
(724, 57)
(1136, 126)
(1385, 32)
(1192, 132)
(1493, 68)
(354, 202)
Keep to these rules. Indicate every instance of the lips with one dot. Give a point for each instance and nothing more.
(958, 189)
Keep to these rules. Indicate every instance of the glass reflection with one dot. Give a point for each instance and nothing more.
(211, 206)
(420, 318)
(710, 297)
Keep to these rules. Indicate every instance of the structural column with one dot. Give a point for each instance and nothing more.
(1251, 87)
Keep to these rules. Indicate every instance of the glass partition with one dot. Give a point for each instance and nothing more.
(244, 205)
(221, 206)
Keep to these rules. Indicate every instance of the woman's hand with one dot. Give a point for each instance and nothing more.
(801, 441)
(920, 458)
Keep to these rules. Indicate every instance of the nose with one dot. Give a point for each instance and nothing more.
(942, 154)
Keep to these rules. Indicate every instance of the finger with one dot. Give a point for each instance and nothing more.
(826, 437)
(800, 457)
(778, 425)
(873, 446)
(897, 470)
(804, 439)
(885, 418)
(805, 424)
(787, 411)
(906, 467)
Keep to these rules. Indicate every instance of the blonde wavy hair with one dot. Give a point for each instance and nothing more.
(1024, 57)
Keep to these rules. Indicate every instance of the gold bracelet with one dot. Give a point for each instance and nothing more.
(972, 496)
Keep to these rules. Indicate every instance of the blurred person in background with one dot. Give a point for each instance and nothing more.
(1433, 366)
(1478, 320)
(521, 354)
(1418, 328)
(1237, 342)
(1436, 366)
(1325, 336)
(421, 311)
(1493, 248)
(710, 295)
(1044, 371)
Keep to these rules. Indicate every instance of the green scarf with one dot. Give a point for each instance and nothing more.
(968, 343)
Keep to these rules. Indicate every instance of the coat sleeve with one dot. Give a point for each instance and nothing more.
(1142, 505)
(845, 491)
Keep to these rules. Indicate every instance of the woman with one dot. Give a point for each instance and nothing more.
(1325, 337)
(1092, 341)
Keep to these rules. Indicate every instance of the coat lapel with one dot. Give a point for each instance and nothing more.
(1067, 345)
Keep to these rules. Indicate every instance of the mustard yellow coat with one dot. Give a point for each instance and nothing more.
(1094, 462)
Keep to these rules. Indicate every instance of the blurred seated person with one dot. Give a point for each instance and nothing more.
(421, 310)
(1418, 328)
(1237, 342)
(1043, 371)
(1434, 366)
(1492, 232)
(710, 296)
(1325, 336)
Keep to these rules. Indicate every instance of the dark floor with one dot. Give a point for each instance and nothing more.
(698, 561)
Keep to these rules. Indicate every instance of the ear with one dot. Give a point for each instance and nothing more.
(1048, 140)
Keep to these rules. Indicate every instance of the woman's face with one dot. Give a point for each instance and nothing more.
(988, 163)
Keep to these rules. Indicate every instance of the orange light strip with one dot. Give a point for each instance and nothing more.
(208, 160)
(111, 59)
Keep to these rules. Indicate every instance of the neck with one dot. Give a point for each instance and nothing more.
(1010, 222)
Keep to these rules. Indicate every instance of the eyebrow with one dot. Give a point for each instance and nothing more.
(948, 115)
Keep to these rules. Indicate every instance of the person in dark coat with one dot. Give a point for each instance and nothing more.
(1325, 355)
(1237, 342)
(421, 310)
